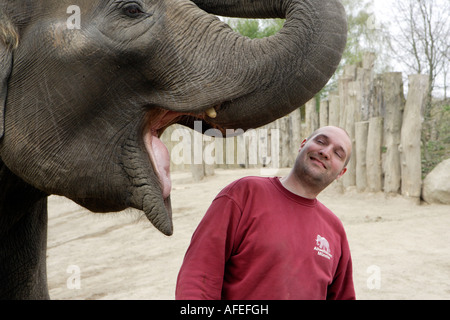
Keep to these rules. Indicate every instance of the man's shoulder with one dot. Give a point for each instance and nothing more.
(244, 186)
(330, 216)
(249, 182)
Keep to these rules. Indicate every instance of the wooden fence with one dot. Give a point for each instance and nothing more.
(384, 127)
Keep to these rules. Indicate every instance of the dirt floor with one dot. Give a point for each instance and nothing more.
(400, 250)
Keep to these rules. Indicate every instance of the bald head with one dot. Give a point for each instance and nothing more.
(337, 133)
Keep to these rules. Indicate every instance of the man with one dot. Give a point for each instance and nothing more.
(270, 238)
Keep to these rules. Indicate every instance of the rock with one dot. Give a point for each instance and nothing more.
(436, 185)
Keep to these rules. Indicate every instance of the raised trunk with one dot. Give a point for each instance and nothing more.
(254, 81)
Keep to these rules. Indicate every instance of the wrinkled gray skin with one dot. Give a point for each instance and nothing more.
(75, 105)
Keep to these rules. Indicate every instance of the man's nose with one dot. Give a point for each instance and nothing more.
(325, 153)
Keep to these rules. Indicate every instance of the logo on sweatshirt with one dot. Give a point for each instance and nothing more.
(323, 247)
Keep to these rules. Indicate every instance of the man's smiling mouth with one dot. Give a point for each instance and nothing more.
(315, 160)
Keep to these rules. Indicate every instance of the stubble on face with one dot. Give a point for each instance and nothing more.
(312, 171)
(323, 156)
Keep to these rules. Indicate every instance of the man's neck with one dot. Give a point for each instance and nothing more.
(296, 186)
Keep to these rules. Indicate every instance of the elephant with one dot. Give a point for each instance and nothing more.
(88, 86)
(323, 243)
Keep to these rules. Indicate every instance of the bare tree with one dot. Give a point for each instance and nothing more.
(422, 45)
(422, 41)
(445, 52)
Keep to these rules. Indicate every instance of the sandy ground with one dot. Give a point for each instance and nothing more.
(400, 250)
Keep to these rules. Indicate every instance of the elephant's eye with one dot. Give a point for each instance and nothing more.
(132, 10)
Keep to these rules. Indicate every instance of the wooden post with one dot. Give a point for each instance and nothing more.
(365, 76)
(376, 106)
(333, 109)
(365, 79)
(349, 179)
(323, 113)
(410, 136)
(178, 140)
(373, 155)
(368, 60)
(230, 153)
(361, 131)
(343, 84)
(393, 104)
(297, 138)
(349, 71)
(347, 101)
(311, 117)
(283, 126)
(197, 164)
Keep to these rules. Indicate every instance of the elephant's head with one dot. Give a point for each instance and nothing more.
(87, 86)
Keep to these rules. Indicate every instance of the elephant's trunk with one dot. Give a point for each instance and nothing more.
(262, 79)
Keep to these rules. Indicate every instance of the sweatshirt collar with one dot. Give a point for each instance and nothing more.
(294, 197)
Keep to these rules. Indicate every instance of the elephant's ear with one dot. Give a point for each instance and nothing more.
(9, 40)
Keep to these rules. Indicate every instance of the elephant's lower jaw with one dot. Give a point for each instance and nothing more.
(146, 162)
(161, 219)
(144, 187)
(155, 122)
(159, 157)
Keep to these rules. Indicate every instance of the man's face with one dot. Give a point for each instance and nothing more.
(323, 156)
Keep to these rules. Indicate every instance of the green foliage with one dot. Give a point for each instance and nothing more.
(256, 28)
(249, 28)
(353, 52)
(437, 147)
(362, 35)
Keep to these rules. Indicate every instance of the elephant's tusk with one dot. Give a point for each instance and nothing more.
(211, 112)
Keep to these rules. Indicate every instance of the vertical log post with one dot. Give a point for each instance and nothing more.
(283, 125)
(323, 113)
(393, 104)
(411, 167)
(297, 137)
(333, 109)
(361, 131)
(343, 86)
(197, 164)
(366, 76)
(376, 108)
(373, 155)
(349, 179)
(311, 116)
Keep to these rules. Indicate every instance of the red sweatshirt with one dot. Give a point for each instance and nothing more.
(260, 241)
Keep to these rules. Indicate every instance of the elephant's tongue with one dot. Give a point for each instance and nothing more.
(160, 158)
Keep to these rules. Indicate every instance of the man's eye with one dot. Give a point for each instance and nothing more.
(132, 10)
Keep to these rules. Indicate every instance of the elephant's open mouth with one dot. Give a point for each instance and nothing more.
(146, 163)
(156, 121)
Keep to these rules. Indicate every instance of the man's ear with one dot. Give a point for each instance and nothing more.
(9, 40)
(302, 145)
(341, 173)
